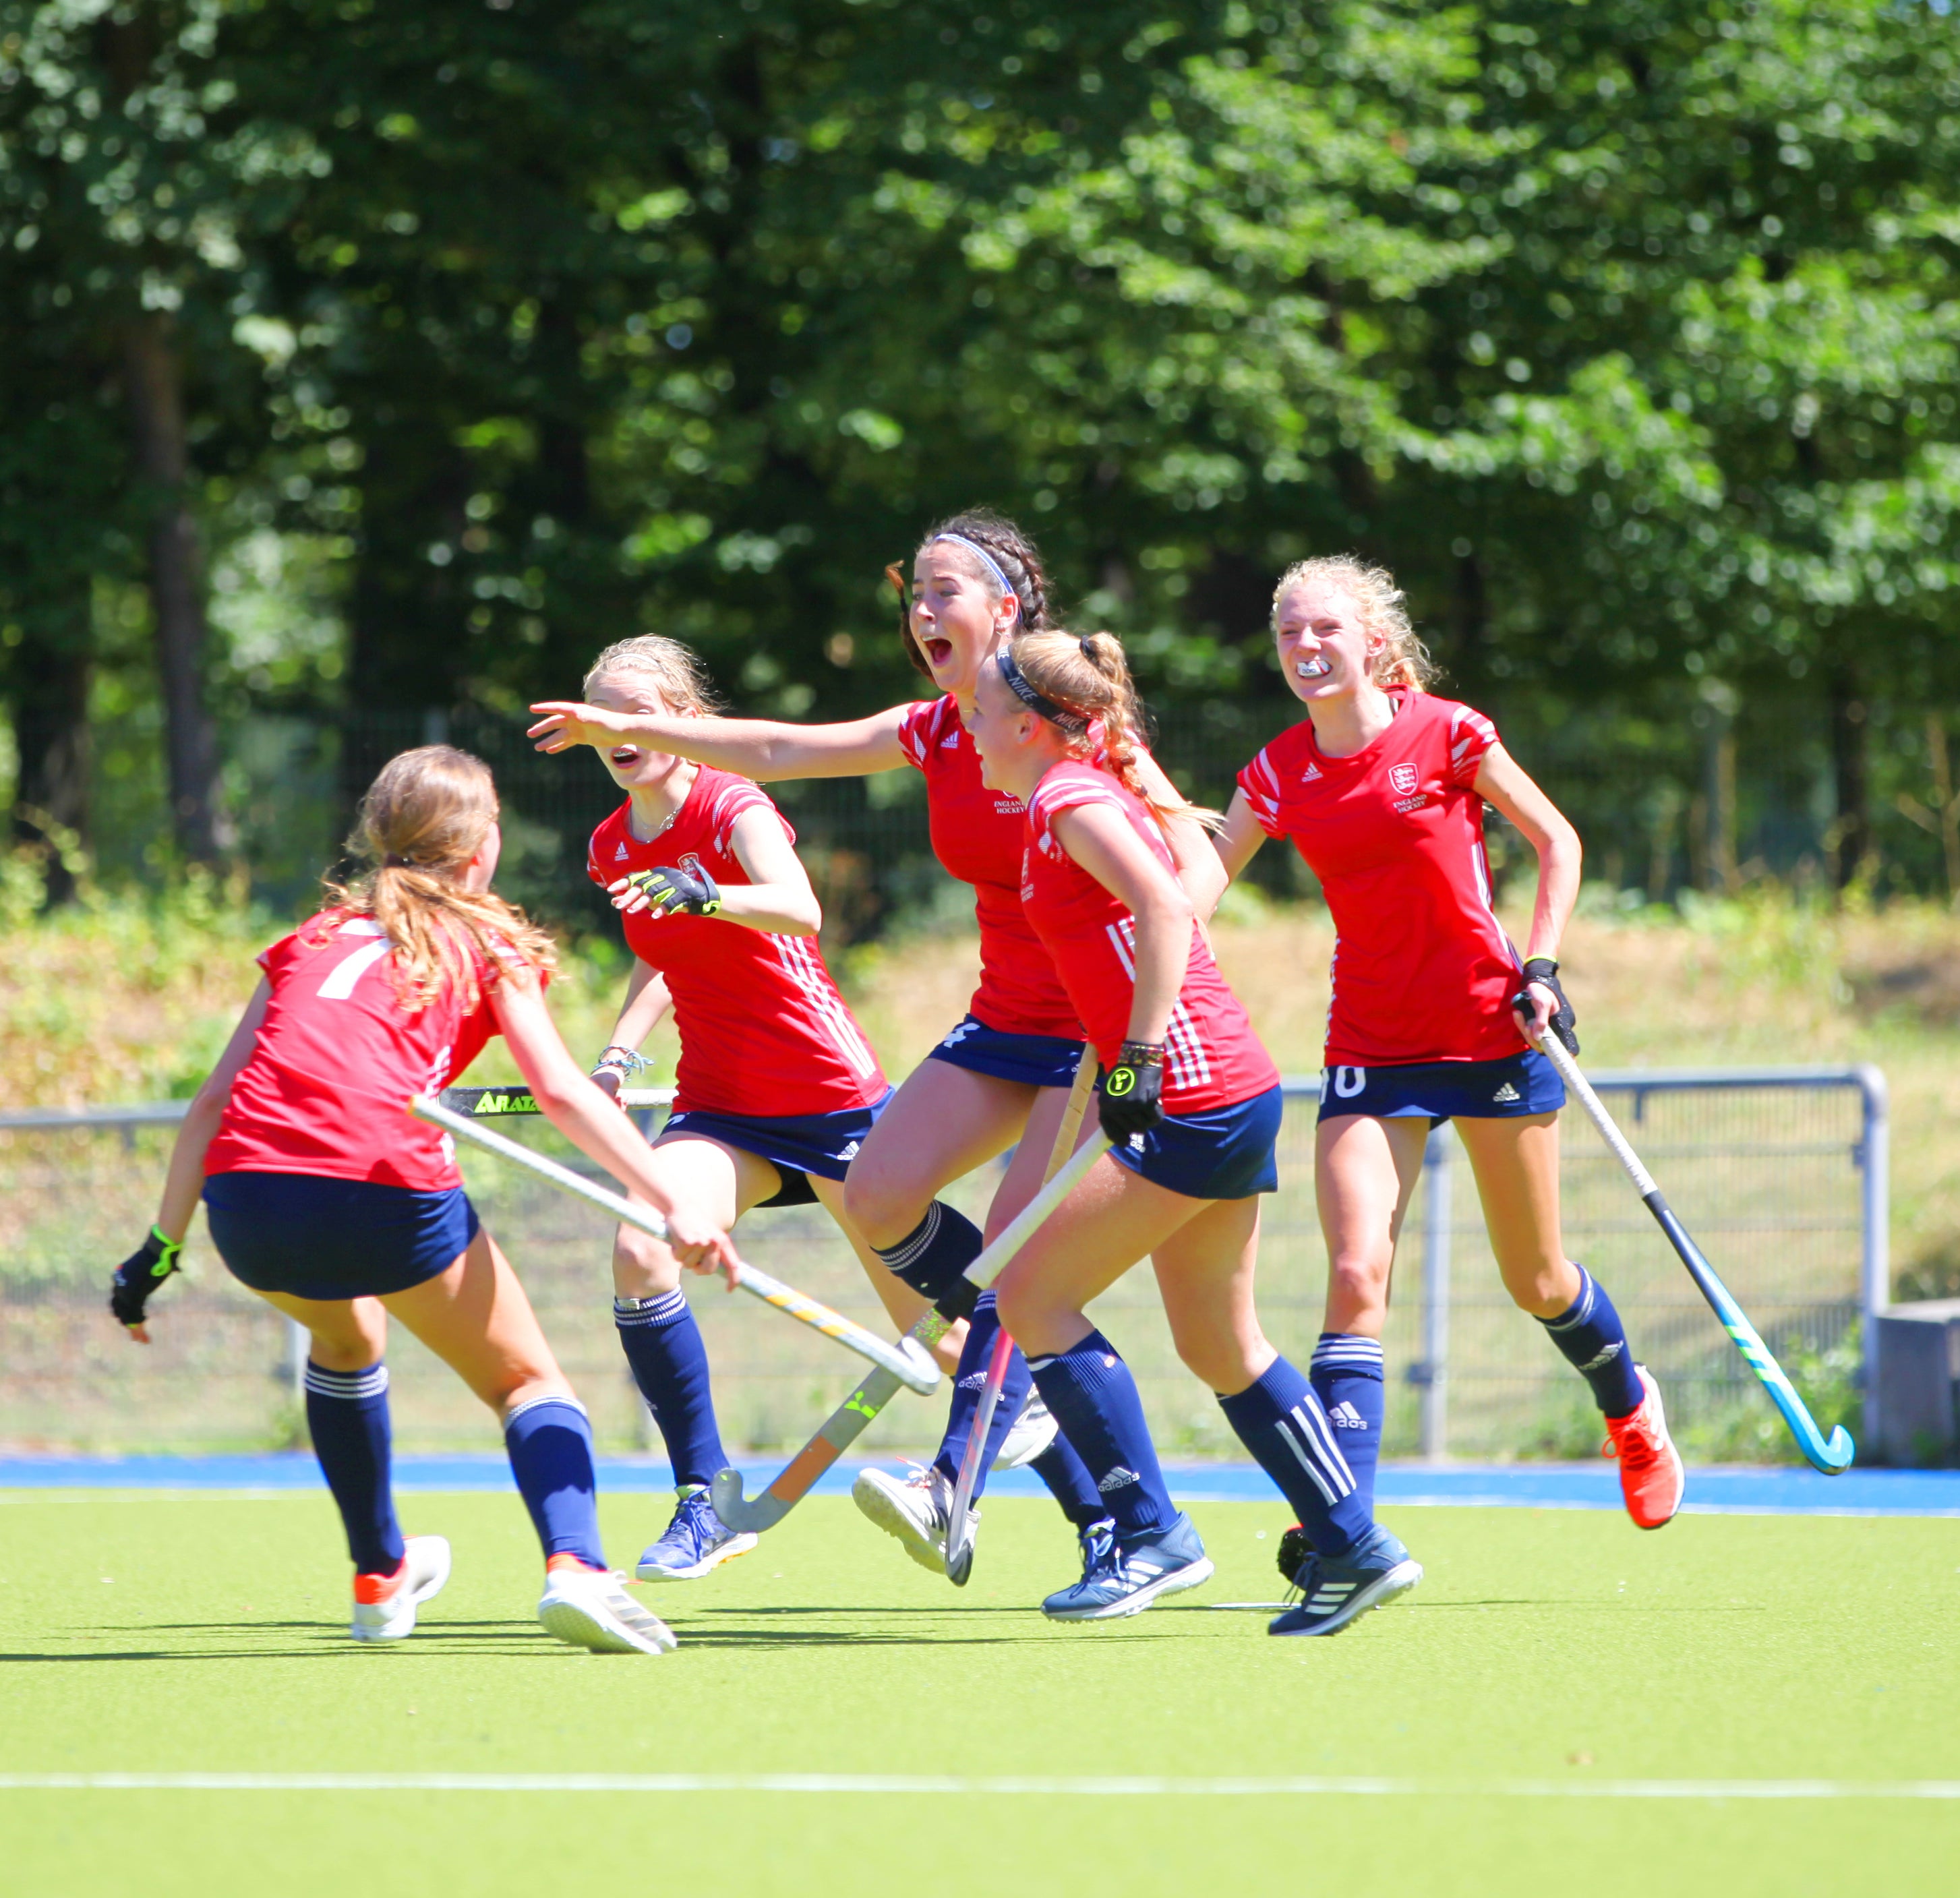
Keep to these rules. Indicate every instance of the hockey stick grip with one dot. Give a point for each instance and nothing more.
(907, 1362)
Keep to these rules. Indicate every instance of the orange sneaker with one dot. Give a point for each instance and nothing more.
(1651, 1477)
(384, 1605)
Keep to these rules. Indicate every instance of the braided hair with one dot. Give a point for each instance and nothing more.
(1017, 556)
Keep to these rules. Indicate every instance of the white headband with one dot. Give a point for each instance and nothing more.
(986, 560)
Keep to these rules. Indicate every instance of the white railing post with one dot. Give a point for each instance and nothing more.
(1435, 1379)
(1875, 1278)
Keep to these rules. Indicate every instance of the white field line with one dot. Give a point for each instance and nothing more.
(1576, 1788)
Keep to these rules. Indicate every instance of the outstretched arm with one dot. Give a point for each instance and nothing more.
(765, 750)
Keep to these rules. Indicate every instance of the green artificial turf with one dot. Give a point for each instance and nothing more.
(147, 1633)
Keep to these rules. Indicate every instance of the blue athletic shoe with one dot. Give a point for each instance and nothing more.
(696, 1541)
(1338, 1588)
(1124, 1578)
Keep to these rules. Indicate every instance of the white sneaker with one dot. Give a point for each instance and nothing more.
(588, 1608)
(1034, 1430)
(384, 1608)
(916, 1510)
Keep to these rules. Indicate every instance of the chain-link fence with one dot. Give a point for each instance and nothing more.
(1780, 1178)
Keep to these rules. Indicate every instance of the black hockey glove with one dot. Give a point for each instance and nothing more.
(672, 892)
(1131, 1097)
(1564, 1024)
(141, 1274)
(1294, 1552)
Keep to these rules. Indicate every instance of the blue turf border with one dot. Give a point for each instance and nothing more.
(1725, 1491)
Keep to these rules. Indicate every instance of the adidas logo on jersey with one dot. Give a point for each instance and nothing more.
(619, 855)
(1345, 1416)
(1311, 773)
(1506, 1095)
(1117, 1478)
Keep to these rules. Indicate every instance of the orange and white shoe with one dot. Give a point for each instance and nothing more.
(384, 1605)
(1651, 1479)
(587, 1607)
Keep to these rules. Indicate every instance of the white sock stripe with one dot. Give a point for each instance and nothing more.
(537, 1404)
(911, 1249)
(1306, 1462)
(1318, 1432)
(1362, 1349)
(349, 1386)
(1582, 1306)
(650, 1311)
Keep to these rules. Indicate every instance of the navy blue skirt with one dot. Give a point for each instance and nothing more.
(1516, 1086)
(796, 1146)
(1225, 1154)
(1036, 1061)
(309, 1236)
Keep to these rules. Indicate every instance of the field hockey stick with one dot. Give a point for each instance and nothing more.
(907, 1363)
(958, 1527)
(845, 1424)
(492, 1103)
(1833, 1457)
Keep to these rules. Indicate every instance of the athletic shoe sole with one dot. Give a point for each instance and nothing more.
(432, 1554)
(736, 1545)
(1029, 1438)
(1173, 1581)
(1391, 1585)
(589, 1622)
(880, 1507)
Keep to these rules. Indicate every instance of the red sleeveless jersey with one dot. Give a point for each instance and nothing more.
(763, 1030)
(1422, 970)
(978, 835)
(1212, 1058)
(327, 1087)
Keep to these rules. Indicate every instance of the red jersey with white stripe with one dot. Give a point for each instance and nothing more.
(1212, 1058)
(1422, 970)
(979, 835)
(338, 1058)
(763, 1030)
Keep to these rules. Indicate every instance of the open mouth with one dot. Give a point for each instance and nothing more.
(937, 651)
(1313, 668)
(626, 756)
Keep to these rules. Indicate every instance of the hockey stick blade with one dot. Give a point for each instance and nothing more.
(1832, 1456)
(906, 1361)
(959, 1533)
(849, 1420)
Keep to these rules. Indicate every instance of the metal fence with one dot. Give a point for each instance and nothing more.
(1780, 1173)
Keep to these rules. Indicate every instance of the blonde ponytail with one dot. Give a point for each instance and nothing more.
(424, 817)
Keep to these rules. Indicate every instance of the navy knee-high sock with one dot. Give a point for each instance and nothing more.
(347, 1413)
(1279, 1420)
(549, 1440)
(662, 1345)
(968, 1381)
(1069, 1483)
(1346, 1374)
(1589, 1334)
(1094, 1398)
(933, 1259)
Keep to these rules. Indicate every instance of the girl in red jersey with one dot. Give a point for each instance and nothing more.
(1002, 1075)
(1381, 788)
(327, 1200)
(777, 1088)
(1191, 1101)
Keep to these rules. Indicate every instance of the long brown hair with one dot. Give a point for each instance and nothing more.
(1087, 676)
(1013, 552)
(423, 819)
(1404, 660)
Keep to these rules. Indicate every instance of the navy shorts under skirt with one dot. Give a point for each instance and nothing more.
(1439, 1090)
(1226, 1154)
(313, 1237)
(1036, 1061)
(796, 1146)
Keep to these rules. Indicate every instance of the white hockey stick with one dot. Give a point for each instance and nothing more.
(906, 1361)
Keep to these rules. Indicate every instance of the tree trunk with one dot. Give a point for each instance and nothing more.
(1849, 726)
(49, 674)
(154, 377)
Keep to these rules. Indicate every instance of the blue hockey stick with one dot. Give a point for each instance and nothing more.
(1833, 1457)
